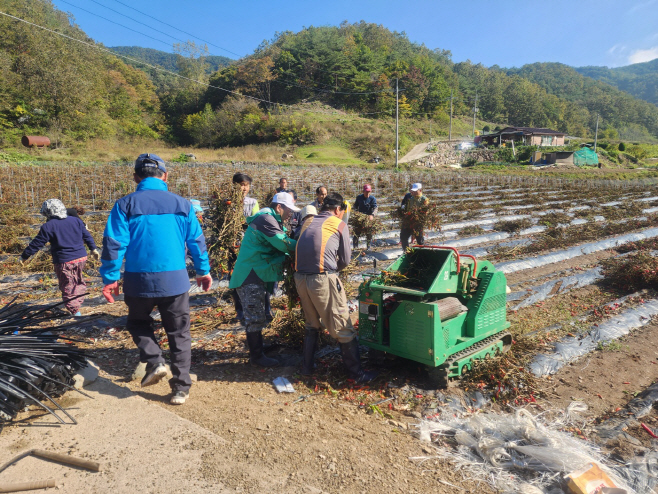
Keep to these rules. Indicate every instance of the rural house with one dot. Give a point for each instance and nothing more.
(526, 136)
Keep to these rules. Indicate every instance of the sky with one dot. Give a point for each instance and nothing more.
(508, 33)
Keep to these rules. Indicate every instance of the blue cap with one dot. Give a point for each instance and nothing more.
(148, 160)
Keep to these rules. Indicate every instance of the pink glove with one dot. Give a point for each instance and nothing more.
(204, 281)
(108, 290)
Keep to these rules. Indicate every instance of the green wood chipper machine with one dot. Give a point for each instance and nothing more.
(434, 307)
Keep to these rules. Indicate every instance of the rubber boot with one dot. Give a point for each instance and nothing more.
(257, 357)
(310, 343)
(352, 361)
(355, 242)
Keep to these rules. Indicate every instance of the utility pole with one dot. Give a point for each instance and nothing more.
(475, 110)
(397, 142)
(450, 127)
(596, 132)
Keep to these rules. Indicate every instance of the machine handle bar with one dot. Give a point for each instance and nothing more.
(475, 264)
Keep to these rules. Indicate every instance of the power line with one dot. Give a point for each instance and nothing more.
(178, 29)
(117, 23)
(128, 17)
(184, 41)
(161, 69)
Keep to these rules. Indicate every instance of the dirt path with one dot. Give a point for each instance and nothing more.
(599, 378)
(418, 151)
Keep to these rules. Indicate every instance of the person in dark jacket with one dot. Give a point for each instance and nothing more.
(320, 193)
(249, 208)
(365, 204)
(283, 185)
(151, 228)
(67, 236)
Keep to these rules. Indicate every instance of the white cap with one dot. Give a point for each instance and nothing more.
(309, 210)
(285, 199)
(416, 186)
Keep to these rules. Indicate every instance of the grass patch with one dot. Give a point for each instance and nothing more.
(329, 153)
(611, 346)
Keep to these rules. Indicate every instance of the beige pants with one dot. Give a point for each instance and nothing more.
(324, 302)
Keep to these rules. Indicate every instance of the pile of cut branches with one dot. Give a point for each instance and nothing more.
(633, 272)
(507, 375)
(512, 226)
(225, 219)
(362, 226)
(288, 324)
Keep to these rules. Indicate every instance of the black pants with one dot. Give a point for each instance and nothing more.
(405, 233)
(175, 312)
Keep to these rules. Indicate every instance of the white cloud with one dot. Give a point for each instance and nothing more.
(639, 56)
(618, 48)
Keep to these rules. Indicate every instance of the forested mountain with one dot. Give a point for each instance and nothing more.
(639, 80)
(167, 60)
(53, 85)
(354, 67)
(631, 117)
(62, 87)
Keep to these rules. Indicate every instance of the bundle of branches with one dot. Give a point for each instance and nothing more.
(265, 198)
(351, 269)
(425, 217)
(225, 219)
(418, 272)
(289, 325)
(362, 226)
(288, 285)
(34, 366)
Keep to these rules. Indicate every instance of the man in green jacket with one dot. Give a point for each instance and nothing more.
(259, 266)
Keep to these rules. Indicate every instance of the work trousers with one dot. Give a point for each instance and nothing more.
(255, 306)
(324, 302)
(175, 312)
(405, 233)
(355, 242)
(72, 283)
(237, 303)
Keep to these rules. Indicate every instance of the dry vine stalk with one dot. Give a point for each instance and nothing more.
(425, 217)
(362, 226)
(225, 218)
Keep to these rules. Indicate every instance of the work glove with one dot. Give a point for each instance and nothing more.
(109, 290)
(96, 254)
(204, 282)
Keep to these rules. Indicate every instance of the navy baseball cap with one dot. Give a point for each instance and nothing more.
(148, 160)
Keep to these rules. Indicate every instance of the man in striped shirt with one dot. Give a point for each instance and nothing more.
(323, 249)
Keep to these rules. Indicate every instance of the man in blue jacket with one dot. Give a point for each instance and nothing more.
(151, 228)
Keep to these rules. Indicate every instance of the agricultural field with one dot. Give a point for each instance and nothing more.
(579, 260)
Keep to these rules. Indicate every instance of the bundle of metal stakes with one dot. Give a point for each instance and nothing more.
(34, 366)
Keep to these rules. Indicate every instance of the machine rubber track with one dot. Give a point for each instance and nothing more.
(440, 375)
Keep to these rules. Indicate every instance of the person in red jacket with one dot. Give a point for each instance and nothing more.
(67, 236)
